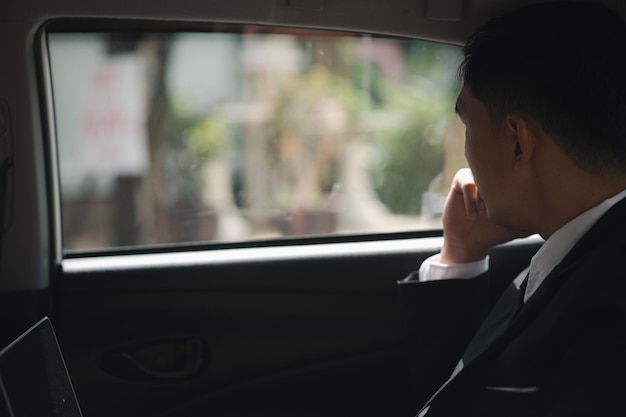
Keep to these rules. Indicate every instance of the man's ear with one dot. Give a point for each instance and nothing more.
(523, 140)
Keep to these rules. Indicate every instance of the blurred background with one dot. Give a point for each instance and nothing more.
(250, 132)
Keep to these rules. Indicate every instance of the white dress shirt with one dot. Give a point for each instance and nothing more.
(542, 263)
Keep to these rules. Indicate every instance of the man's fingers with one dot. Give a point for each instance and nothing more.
(464, 182)
(470, 195)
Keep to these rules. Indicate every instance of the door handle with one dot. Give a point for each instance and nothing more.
(168, 360)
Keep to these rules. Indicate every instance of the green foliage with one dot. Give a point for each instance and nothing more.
(192, 141)
(411, 154)
(208, 138)
(302, 139)
(411, 149)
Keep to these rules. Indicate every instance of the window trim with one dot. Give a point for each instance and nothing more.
(249, 255)
(53, 178)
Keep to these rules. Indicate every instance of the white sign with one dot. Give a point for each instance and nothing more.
(112, 118)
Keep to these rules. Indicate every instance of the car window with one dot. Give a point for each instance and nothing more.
(236, 133)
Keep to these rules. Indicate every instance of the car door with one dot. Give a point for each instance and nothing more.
(310, 330)
(158, 314)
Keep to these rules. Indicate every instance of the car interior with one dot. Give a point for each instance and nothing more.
(213, 201)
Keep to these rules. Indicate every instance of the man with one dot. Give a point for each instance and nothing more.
(544, 106)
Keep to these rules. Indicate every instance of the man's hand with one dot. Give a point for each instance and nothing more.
(468, 233)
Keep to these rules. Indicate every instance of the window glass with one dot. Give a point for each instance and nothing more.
(250, 132)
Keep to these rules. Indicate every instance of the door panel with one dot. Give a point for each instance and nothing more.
(317, 333)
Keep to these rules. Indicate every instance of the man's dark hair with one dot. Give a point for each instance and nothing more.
(564, 64)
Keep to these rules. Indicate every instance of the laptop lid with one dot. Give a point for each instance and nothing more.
(34, 381)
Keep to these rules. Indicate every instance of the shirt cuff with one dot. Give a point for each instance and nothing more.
(432, 270)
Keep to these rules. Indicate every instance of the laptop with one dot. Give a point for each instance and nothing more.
(34, 381)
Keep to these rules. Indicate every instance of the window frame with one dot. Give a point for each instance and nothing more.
(427, 239)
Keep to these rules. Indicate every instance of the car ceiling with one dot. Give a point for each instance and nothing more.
(445, 20)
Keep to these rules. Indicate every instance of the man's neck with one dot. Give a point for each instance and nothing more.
(576, 197)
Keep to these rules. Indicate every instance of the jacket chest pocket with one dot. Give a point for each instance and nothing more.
(513, 401)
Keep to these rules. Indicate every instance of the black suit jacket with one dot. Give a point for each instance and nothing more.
(563, 355)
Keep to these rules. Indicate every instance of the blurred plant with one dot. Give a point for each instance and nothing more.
(410, 151)
(208, 138)
(192, 141)
(314, 114)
